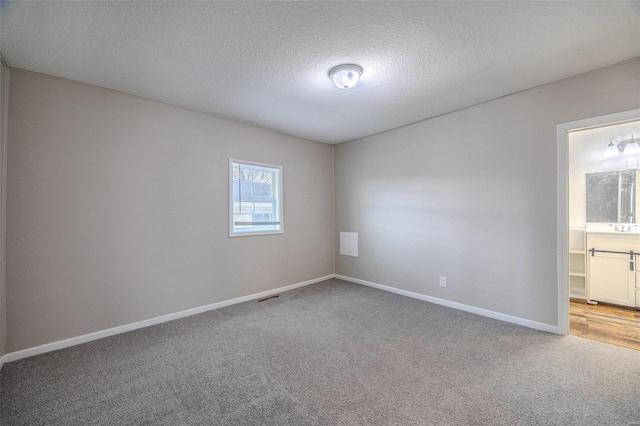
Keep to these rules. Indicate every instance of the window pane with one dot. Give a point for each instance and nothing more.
(256, 204)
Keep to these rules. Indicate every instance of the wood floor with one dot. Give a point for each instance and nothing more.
(605, 323)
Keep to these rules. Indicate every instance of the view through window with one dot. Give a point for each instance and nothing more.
(256, 198)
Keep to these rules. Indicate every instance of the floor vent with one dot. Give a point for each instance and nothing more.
(268, 298)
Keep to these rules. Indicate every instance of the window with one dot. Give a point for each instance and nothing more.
(255, 199)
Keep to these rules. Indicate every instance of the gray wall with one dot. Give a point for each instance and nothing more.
(4, 75)
(117, 210)
(471, 195)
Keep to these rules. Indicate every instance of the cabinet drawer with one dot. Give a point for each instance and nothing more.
(614, 242)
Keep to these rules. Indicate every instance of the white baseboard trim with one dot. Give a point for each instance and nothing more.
(455, 305)
(61, 344)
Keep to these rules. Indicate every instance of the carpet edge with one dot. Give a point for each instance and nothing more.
(455, 305)
(77, 340)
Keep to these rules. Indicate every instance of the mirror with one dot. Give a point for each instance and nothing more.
(612, 197)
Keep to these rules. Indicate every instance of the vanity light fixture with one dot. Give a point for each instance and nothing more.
(617, 147)
(345, 76)
(632, 147)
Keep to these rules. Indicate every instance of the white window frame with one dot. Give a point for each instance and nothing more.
(232, 230)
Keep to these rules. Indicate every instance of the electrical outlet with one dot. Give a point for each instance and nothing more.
(443, 281)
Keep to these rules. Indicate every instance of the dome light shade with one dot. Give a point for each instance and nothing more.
(611, 150)
(632, 147)
(345, 76)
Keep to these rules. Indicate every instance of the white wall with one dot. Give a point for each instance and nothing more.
(586, 148)
(117, 210)
(471, 195)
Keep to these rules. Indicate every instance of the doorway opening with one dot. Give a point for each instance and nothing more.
(598, 230)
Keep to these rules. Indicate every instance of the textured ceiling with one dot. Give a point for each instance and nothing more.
(266, 63)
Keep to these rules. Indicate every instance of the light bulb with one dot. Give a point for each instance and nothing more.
(632, 147)
(611, 150)
(345, 76)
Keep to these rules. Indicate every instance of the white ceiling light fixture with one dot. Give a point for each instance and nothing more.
(345, 76)
(632, 147)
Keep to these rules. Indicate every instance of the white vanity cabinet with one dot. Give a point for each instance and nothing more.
(637, 280)
(612, 273)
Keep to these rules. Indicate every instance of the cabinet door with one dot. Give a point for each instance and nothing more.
(637, 259)
(610, 279)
